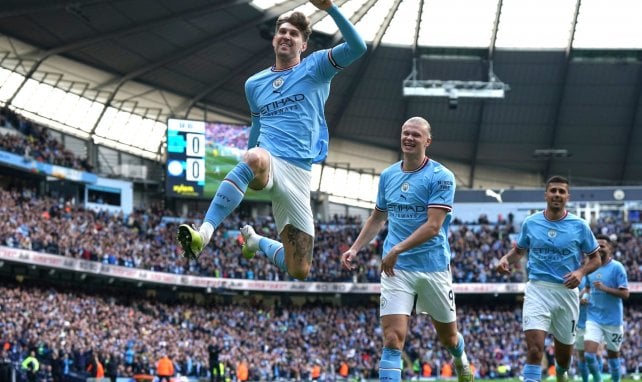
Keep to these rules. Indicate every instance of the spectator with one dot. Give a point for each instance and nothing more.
(31, 365)
(95, 368)
(112, 364)
(5, 366)
(164, 369)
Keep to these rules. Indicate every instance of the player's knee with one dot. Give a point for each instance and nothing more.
(299, 273)
(257, 159)
(449, 340)
(392, 339)
(535, 353)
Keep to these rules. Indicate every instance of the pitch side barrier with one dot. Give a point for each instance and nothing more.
(137, 275)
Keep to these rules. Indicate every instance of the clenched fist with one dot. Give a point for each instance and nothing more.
(322, 4)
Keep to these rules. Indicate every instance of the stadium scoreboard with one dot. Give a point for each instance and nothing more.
(185, 158)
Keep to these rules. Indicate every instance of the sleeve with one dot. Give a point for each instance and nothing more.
(354, 46)
(442, 190)
(255, 129)
(382, 204)
(589, 244)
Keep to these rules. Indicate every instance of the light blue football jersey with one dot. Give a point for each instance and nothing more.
(406, 197)
(290, 104)
(581, 321)
(607, 309)
(555, 247)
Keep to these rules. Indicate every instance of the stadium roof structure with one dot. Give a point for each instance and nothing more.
(573, 68)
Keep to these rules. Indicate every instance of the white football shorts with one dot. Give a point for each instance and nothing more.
(289, 189)
(553, 308)
(611, 334)
(433, 291)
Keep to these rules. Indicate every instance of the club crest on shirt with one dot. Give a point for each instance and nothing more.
(277, 83)
(405, 187)
(552, 233)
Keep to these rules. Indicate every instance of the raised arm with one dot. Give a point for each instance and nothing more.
(354, 46)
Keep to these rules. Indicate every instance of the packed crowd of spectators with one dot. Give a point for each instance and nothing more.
(146, 239)
(234, 136)
(33, 142)
(278, 338)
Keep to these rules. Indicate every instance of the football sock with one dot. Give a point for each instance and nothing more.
(274, 251)
(206, 230)
(581, 365)
(458, 351)
(559, 370)
(390, 365)
(532, 373)
(229, 195)
(594, 369)
(614, 368)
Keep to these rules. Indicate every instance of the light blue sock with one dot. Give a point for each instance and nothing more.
(581, 365)
(559, 370)
(594, 369)
(532, 373)
(390, 365)
(614, 368)
(274, 251)
(229, 194)
(458, 350)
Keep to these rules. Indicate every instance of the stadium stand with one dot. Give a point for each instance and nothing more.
(32, 140)
(146, 240)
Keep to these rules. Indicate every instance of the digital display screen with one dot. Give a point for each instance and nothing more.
(200, 154)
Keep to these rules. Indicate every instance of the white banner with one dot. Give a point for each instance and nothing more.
(137, 274)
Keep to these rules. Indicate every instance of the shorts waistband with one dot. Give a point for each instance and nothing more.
(548, 284)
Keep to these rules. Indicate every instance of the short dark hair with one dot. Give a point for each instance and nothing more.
(604, 237)
(299, 20)
(557, 179)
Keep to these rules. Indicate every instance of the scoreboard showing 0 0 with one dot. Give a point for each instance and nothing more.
(200, 154)
(185, 158)
(195, 151)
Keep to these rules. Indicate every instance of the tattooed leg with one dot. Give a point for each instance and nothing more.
(298, 247)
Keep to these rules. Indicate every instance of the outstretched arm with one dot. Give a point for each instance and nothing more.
(354, 47)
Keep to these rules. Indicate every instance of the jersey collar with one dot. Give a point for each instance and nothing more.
(562, 218)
